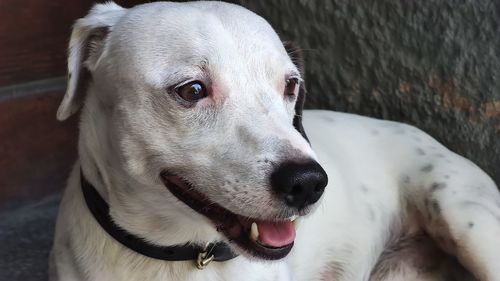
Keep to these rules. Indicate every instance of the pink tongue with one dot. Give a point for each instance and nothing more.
(276, 234)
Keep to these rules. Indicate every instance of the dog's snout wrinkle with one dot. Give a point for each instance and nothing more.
(299, 184)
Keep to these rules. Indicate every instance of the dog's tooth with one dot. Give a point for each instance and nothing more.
(293, 218)
(254, 232)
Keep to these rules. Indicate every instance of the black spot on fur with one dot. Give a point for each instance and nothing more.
(427, 168)
(437, 186)
(470, 225)
(406, 179)
(446, 176)
(426, 203)
(420, 151)
(436, 207)
(364, 188)
(375, 132)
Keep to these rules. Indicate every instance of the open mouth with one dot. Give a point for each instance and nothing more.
(264, 239)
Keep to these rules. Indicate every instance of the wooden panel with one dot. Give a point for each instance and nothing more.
(34, 37)
(36, 150)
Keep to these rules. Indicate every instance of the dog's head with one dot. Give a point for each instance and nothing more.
(201, 98)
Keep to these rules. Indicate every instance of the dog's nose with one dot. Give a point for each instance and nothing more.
(299, 184)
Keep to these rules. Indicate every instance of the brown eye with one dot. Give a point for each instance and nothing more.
(291, 87)
(192, 91)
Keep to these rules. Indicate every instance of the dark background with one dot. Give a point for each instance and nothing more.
(434, 64)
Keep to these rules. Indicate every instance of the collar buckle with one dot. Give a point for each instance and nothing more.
(205, 257)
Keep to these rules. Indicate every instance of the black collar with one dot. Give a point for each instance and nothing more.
(218, 251)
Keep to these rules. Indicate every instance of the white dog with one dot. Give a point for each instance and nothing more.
(193, 165)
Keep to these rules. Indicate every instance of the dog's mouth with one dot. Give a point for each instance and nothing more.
(263, 239)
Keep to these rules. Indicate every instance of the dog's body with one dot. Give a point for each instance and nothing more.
(396, 200)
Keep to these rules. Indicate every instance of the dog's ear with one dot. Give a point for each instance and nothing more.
(295, 55)
(88, 40)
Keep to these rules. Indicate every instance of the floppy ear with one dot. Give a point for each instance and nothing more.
(86, 46)
(295, 55)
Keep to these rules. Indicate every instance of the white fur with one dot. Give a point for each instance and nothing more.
(386, 180)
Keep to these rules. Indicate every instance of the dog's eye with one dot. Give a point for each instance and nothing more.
(291, 87)
(192, 91)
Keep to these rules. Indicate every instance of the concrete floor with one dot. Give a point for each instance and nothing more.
(25, 240)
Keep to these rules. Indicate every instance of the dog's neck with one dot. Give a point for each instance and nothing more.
(216, 251)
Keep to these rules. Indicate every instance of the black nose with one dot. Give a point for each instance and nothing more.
(299, 184)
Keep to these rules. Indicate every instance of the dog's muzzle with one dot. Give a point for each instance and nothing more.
(298, 185)
(264, 239)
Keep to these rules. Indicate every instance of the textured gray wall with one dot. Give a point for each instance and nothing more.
(434, 64)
